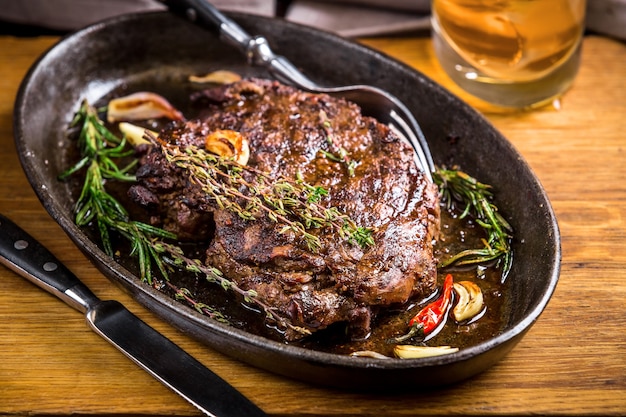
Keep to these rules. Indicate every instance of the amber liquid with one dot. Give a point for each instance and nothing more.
(507, 41)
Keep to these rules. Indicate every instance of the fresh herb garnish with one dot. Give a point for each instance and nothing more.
(336, 153)
(183, 294)
(100, 151)
(457, 187)
(215, 276)
(294, 203)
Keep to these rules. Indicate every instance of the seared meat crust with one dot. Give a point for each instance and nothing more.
(288, 132)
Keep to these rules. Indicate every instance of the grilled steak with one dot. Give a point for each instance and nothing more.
(293, 133)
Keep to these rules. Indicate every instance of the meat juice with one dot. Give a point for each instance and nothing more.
(533, 44)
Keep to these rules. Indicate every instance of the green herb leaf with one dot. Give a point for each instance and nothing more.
(291, 202)
(101, 150)
(459, 188)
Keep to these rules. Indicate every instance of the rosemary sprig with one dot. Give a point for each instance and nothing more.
(457, 187)
(100, 149)
(291, 202)
(98, 144)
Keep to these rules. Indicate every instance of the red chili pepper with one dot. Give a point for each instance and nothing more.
(431, 316)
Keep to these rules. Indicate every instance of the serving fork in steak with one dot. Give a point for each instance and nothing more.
(369, 173)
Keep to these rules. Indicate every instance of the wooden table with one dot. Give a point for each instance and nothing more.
(572, 362)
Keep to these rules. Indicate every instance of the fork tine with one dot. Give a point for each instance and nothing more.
(407, 126)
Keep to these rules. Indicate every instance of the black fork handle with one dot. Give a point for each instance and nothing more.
(255, 48)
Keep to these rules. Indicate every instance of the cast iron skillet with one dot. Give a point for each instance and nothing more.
(158, 51)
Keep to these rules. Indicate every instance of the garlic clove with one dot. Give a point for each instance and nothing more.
(135, 134)
(217, 77)
(228, 144)
(368, 354)
(470, 300)
(416, 352)
(141, 106)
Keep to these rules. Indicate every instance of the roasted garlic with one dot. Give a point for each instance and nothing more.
(228, 144)
(470, 300)
(368, 354)
(141, 106)
(415, 352)
(135, 134)
(217, 77)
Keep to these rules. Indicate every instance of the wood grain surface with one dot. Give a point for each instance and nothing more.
(572, 362)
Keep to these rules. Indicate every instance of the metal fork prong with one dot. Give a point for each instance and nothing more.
(408, 127)
(416, 158)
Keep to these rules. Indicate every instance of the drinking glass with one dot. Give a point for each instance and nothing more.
(513, 53)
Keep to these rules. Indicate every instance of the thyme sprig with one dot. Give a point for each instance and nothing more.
(100, 149)
(215, 276)
(457, 187)
(294, 203)
(337, 153)
(183, 294)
